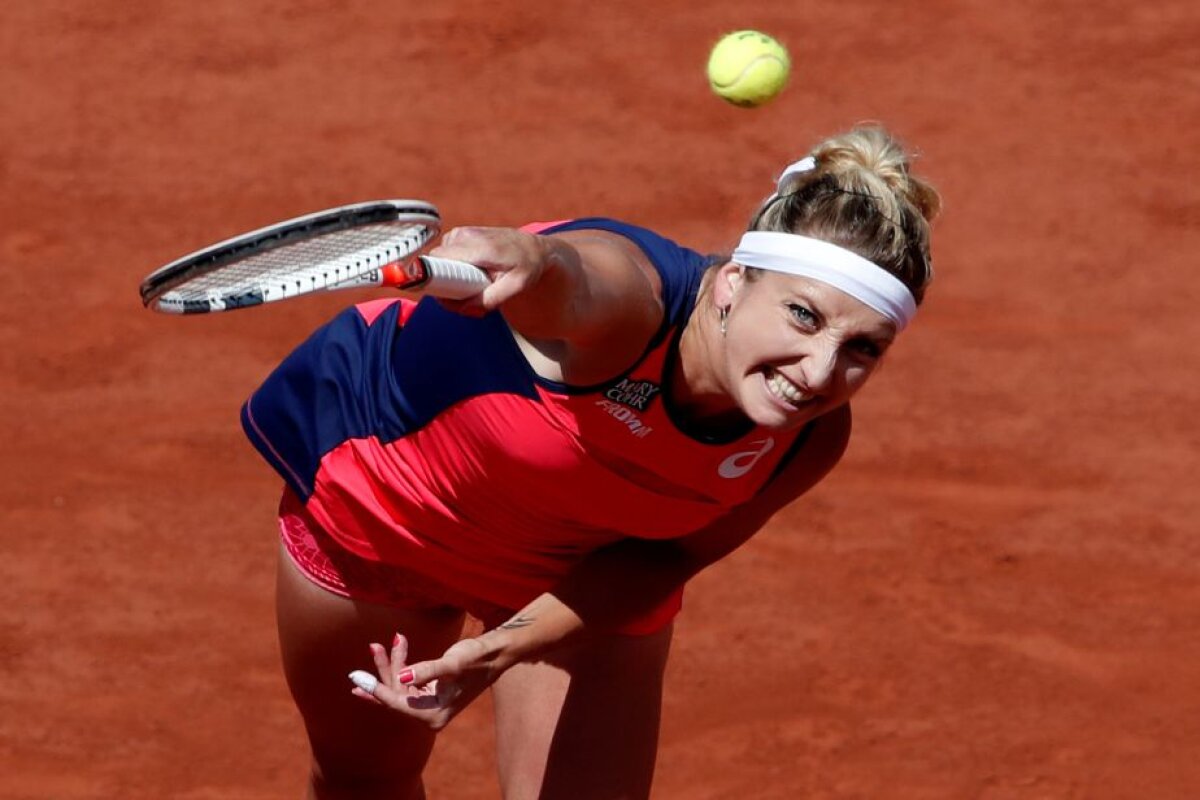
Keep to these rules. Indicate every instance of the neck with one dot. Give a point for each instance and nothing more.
(699, 399)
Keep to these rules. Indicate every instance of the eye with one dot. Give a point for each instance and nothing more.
(802, 315)
(866, 348)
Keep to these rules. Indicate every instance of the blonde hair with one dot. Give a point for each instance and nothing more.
(860, 195)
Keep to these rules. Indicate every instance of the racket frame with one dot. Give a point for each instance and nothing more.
(404, 272)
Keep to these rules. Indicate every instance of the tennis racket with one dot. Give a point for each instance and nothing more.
(349, 247)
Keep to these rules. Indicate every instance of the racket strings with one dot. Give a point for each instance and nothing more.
(335, 259)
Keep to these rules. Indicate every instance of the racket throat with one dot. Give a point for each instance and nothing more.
(404, 275)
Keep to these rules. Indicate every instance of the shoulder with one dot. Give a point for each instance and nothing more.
(628, 287)
(675, 270)
(607, 247)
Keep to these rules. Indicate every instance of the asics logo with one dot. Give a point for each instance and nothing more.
(739, 464)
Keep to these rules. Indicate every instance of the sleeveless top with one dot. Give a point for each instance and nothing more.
(419, 437)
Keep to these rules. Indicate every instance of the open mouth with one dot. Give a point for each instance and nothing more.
(785, 390)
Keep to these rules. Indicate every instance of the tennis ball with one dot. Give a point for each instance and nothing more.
(748, 68)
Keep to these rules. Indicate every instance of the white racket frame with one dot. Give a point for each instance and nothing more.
(394, 233)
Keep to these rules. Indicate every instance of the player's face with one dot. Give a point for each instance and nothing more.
(795, 348)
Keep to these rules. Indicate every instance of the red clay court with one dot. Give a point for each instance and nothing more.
(996, 596)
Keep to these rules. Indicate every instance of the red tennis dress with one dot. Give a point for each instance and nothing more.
(422, 439)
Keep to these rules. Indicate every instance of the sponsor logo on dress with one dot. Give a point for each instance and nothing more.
(622, 414)
(739, 464)
(635, 394)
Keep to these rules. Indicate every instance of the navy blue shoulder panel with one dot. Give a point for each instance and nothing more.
(441, 358)
(351, 379)
(680, 268)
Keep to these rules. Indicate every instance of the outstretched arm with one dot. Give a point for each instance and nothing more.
(586, 603)
(580, 288)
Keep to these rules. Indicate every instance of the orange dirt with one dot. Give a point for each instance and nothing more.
(996, 596)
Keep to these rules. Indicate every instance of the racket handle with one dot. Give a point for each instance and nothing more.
(441, 277)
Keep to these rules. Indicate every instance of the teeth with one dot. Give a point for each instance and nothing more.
(784, 388)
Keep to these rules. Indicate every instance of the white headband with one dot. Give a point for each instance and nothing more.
(803, 165)
(828, 263)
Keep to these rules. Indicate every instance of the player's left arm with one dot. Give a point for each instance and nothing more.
(648, 572)
(610, 588)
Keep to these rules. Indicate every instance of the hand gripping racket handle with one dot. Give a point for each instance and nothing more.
(440, 277)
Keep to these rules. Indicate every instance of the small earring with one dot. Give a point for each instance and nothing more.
(724, 314)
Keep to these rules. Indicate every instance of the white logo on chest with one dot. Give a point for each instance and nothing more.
(624, 415)
(739, 464)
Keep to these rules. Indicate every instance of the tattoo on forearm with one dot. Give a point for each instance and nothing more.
(519, 621)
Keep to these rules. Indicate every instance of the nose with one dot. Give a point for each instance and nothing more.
(820, 366)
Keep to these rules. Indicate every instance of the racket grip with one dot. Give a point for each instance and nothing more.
(444, 277)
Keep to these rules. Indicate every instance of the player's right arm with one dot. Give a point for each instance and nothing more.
(585, 302)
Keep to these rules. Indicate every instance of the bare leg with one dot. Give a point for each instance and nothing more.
(359, 750)
(583, 726)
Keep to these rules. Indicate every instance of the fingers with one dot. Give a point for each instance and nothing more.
(441, 695)
(365, 685)
(512, 259)
(434, 691)
(382, 662)
(473, 240)
(503, 287)
(397, 695)
(414, 690)
(399, 656)
(423, 673)
(432, 702)
(364, 681)
(389, 665)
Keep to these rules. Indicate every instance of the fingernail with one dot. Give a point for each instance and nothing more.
(396, 640)
(364, 680)
(406, 676)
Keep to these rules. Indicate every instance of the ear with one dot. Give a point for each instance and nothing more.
(729, 279)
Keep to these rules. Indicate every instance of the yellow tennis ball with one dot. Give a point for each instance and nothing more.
(748, 68)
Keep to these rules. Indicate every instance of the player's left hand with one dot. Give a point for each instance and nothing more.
(431, 691)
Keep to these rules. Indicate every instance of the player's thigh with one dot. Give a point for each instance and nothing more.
(322, 637)
(585, 724)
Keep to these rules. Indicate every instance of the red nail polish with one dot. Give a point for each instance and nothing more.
(396, 640)
(406, 676)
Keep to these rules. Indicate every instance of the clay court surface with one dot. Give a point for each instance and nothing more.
(996, 596)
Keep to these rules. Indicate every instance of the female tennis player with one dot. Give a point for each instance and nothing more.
(556, 457)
